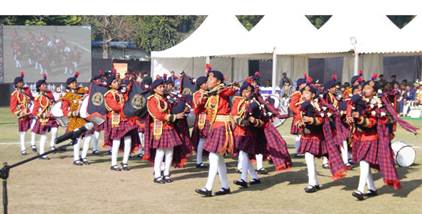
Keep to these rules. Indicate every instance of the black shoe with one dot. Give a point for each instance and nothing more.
(167, 179)
(44, 157)
(311, 189)
(371, 193)
(125, 166)
(241, 183)
(23, 153)
(85, 161)
(77, 163)
(159, 180)
(95, 152)
(204, 192)
(254, 181)
(200, 166)
(359, 195)
(34, 149)
(115, 168)
(262, 171)
(223, 191)
(325, 166)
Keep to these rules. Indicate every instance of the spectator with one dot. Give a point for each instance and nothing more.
(284, 79)
(393, 79)
(418, 100)
(286, 90)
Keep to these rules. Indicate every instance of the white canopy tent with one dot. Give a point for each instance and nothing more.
(213, 41)
(290, 40)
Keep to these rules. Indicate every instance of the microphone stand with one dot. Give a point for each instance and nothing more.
(4, 172)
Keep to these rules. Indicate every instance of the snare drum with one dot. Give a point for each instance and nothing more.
(83, 110)
(404, 155)
(57, 112)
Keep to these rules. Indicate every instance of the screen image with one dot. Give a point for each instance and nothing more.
(59, 51)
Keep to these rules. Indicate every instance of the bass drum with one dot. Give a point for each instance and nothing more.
(282, 109)
(404, 155)
(83, 110)
(57, 113)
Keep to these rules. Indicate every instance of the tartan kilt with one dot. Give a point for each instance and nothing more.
(216, 140)
(169, 138)
(313, 144)
(245, 143)
(124, 128)
(276, 147)
(52, 123)
(368, 151)
(294, 130)
(24, 124)
(40, 129)
(355, 147)
(199, 133)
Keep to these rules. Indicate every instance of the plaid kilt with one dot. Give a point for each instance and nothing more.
(169, 138)
(245, 143)
(52, 123)
(294, 130)
(314, 145)
(24, 124)
(124, 128)
(276, 147)
(216, 140)
(197, 134)
(40, 129)
(368, 151)
(182, 152)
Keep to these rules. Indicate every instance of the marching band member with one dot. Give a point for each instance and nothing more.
(316, 140)
(41, 111)
(120, 127)
(294, 107)
(20, 101)
(201, 127)
(220, 137)
(246, 132)
(160, 134)
(372, 115)
(71, 104)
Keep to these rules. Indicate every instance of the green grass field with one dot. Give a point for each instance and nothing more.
(57, 186)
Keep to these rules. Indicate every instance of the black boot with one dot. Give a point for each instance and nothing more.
(254, 181)
(358, 194)
(311, 189)
(371, 193)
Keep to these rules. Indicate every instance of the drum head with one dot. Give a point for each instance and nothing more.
(405, 157)
(56, 110)
(83, 111)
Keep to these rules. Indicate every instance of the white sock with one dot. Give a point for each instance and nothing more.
(33, 138)
(364, 172)
(259, 161)
(199, 150)
(297, 143)
(370, 181)
(95, 139)
(114, 152)
(310, 165)
(244, 160)
(53, 133)
(76, 150)
(169, 159)
(141, 138)
(159, 156)
(222, 172)
(344, 152)
(126, 151)
(85, 146)
(22, 140)
(43, 139)
(212, 172)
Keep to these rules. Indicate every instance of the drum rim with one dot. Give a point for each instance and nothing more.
(397, 153)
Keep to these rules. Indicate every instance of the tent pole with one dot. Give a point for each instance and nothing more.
(356, 63)
(274, 74)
